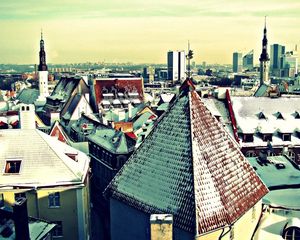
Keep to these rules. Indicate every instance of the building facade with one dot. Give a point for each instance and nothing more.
(191, 168)
(277, 60)
(51, 175)
(248, 61)
(237, 64)
(176, 66)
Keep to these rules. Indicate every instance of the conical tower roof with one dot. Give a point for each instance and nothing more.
(189, 166)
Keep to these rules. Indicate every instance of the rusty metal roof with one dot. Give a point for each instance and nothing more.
(190, 167)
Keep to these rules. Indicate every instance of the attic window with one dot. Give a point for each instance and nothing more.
(267, 137)
(248, 138)
(261, 115)
(74, 156)
(286, 137)
(12, 166)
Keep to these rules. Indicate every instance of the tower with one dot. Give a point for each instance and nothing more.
(277, 60)
(237, 65)
(43, 72)
(176, 66)
(264, 59)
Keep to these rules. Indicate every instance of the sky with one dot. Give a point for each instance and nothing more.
(142, 31)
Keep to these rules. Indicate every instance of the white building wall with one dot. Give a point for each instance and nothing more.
(43, 84)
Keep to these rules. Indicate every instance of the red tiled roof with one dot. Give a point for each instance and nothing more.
(189, 166)
(121, 85)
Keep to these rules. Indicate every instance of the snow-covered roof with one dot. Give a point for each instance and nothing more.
(263, 115)
(43, 160)
(116, 101)
(273, 176)
(273, 223)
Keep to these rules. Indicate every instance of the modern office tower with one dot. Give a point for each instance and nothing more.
(237, 62)
(290, 63)
(264, 59)
(248, 61)
(176, 66)
(277, 60)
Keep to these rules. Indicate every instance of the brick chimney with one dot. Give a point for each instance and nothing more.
(161, 226)
(20, 217)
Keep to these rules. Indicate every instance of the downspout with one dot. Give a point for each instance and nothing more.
(258, 222)
(222, 235)
(37, 202)
(231, 114)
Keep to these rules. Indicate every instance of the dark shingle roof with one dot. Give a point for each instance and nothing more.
(28, 95)
(190, 167)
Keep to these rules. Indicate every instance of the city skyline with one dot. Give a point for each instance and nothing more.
(142, 32)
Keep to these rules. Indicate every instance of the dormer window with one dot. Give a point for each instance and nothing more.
(12, 166)
(267, 137)
(279, 115)
(297, 115)
(286, 137)
(261, 115)
(247, 137)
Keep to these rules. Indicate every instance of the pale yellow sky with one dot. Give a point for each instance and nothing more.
(142, 31)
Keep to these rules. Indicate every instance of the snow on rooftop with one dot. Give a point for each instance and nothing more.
(273, 176)
(273, 222)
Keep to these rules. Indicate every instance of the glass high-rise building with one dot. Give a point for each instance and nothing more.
(277, 59)
(237, 65)
(248, 61)
(176, 66)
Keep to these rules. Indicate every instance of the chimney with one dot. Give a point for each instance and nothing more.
(130, 110)
(20, 216)
(27, 116)
(161, 226)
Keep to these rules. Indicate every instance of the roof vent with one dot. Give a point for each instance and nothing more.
(279, 166)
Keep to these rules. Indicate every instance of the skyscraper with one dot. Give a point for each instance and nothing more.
(43, 72)
(277, 59)
(237, 62)
(176, 66)
(264, 59)
(290, 64)
(248, 61)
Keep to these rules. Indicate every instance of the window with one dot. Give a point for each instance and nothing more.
(279, 115)
(20, 195)
(12, 166)
(267, 137)
(286, 137)
(292, 233)
(1, 200)
(54, 199)
(248, 137)
(261, 115)
(58, 230)
(250, 154)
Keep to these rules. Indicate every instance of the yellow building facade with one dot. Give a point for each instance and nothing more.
(51, 175)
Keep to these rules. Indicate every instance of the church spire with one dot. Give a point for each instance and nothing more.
(42, 65)
(264, 56)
